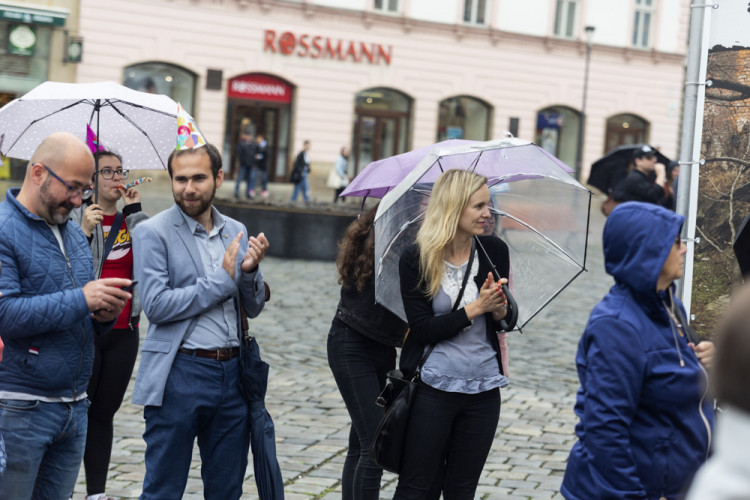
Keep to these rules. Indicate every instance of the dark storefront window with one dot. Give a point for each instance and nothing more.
(382, 123)
(625, 129)
(161, 78)
(463, 117)
(557, 132)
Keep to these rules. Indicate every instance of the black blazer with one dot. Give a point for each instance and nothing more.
(424, 327)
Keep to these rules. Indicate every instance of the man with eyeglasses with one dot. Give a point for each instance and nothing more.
(645, 181)
(50, 310)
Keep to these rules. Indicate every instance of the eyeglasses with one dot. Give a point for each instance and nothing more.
(72, 192)
(108, 173)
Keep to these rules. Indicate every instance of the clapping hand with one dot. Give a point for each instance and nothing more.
(256, 250)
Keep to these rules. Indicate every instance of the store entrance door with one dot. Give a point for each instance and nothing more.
(253, 120)
(376, 137)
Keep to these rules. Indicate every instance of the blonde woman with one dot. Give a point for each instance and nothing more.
(456, 410)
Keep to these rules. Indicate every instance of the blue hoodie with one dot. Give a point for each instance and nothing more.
(645, 419)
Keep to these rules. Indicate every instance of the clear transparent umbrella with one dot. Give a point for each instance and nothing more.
(541, 212)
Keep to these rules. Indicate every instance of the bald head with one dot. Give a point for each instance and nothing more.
(71, 161)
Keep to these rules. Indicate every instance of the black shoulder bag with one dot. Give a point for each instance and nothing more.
(387, 445)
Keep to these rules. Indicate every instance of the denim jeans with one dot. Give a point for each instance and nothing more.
(244, 174)
(359, 365)
(303, 186)
(254, 173)
(449, 431)
(201, 398)
(44, 443)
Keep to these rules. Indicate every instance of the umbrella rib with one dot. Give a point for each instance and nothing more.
(475, 163)
(566, 285)
(34, 122)
(136, 126)
(546, 238)
(403, 228)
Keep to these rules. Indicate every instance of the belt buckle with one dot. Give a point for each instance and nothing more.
(218, 354)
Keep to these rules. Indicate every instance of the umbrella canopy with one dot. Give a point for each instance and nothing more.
(541, 212)
(141, 127)
(741, 246)
(380, 176)
(254, 373)
(610, 169)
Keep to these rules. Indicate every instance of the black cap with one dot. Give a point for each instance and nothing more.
(644, 150)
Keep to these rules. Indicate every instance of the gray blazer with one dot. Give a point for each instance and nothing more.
(175, 291)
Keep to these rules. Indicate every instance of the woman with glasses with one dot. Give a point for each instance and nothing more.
(645, 416)
(108, 231)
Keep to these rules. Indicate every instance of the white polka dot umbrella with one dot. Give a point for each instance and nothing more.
(140, 127)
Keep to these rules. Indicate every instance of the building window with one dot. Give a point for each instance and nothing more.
(463, 117)
(642, 21)
(625, 129)
(475, 11)
(557, 132)
(160, 78)
(389, 6)
(565, 18)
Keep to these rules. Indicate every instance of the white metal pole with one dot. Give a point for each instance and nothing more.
(692, 132)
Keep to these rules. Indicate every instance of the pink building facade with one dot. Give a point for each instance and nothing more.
(385, 82)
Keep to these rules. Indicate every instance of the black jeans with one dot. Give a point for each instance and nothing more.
(449, 431)
(114, 357)
(359, 365)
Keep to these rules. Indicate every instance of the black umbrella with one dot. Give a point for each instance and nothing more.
(610, 169)
(741, 247)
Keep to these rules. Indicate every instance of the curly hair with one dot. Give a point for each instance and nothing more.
(356, 258)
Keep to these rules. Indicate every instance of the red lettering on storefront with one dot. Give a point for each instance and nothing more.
(352, 52)
(365, 52)
(305, 46)
(287, 43)
(330, 52)
(268, 44)
(317, 47)
(385, 55)
(260, 87)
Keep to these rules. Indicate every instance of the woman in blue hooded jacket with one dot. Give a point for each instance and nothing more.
(645, 416)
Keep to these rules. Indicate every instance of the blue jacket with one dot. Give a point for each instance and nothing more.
(44, 320)
(645, 419)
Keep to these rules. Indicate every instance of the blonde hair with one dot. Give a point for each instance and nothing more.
(450, 195)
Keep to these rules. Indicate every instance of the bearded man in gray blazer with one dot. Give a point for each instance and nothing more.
(195, 268)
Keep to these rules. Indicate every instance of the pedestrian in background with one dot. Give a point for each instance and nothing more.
(260, 167)
(246, 149)
(196, 268)
(726, 475)
(645, 415)
(50, 310)
(300, 173)
(341, 167)
(455, 412)
(645, 181)
(362, 345)
(109, 232)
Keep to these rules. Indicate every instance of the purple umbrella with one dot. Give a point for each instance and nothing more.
(380, 176)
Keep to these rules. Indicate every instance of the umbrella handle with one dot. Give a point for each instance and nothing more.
(506, 323)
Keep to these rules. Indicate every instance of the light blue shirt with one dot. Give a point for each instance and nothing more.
(215, 328)
(466, 363)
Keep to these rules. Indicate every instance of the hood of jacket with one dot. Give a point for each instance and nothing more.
(637, 240)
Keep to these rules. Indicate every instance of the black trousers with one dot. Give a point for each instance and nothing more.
(114, 358)
(450, 434)
(359, 365)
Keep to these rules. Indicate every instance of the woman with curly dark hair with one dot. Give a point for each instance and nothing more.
(361, 350)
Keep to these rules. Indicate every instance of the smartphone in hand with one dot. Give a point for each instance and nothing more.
(129, 288)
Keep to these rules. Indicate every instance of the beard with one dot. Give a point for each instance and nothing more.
(195, 210)
(57, 211)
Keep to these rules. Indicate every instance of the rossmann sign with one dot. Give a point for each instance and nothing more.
(321, 47)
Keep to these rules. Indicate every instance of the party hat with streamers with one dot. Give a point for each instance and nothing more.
(93, 141)
(188, 135)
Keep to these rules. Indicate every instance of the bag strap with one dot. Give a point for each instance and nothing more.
(455, 306)
(112, 236)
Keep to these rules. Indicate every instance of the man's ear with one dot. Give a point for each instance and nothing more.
(38, 173)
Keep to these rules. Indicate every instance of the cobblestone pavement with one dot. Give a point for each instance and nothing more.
(535, 432)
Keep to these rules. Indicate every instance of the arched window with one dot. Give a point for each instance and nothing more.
(382, 118)
(557, 132)
(162, 78)
(625, 129)
(463, 117)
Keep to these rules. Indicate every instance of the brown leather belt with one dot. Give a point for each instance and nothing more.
(218, 354)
